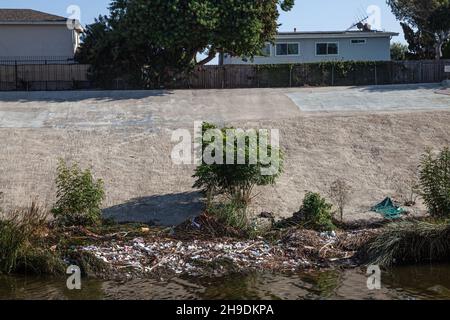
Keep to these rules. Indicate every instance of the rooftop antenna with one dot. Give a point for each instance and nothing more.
(361, 20)
(361, 24)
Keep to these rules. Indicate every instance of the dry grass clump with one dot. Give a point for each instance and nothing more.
(410, 242)
(354, 241)
(22, 243)
(207, 226)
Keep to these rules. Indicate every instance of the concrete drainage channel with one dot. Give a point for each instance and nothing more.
(151, 109)
(375, 98)
(126, 138)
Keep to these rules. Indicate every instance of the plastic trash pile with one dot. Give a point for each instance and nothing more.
(196, 257)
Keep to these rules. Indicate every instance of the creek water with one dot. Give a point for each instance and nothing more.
(413, 282)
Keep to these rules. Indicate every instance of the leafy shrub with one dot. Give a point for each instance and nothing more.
(236, 180)
(79, 196)
(435, 182)
(317, 212)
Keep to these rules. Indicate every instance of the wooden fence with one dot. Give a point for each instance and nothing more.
(327, 74)
(54, 76)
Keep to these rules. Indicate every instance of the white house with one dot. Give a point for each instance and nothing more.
(28, 34)
(319, 46)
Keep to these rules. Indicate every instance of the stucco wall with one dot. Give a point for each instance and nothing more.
(375, 49)
(36, 41)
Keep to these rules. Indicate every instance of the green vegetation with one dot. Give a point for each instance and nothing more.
(30, 243)
(399, 51)
(326, 73)
(79, 196)
(316, 212)
(22, 248)
(149, 42)
(410, 242)
(231, 214)
(426, 24)
(415, 241)
(255, 163)
(236, 179)
(40, 261)
(11, 242)
(435, 182)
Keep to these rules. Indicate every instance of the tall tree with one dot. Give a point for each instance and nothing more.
(421, 45)
(425, 16)
(166, 36)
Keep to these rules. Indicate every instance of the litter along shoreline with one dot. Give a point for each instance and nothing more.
(127, 256)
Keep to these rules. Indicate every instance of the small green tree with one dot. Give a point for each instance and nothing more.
(399, 51)
(317, 212)
(79, 196)
(236, 179)
(434, 173)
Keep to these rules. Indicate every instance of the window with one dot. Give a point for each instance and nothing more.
(288, 49)
(358, 41)
(265, 51)
(327, 48)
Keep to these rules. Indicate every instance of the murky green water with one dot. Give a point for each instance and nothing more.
(421, 282)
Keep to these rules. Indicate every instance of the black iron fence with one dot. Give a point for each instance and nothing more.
(36, 60)
(36, 74)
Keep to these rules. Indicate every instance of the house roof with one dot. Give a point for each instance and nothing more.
(28, 16)
(335, 34)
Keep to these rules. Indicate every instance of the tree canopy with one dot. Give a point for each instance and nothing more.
(424, 21)
(166, 36)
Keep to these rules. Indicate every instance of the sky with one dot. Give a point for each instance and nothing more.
(307, 15)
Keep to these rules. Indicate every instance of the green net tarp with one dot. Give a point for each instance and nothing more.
(388, 209)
